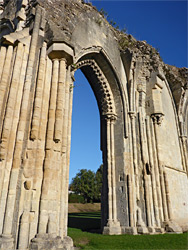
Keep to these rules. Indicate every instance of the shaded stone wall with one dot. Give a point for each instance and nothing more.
(143, 125)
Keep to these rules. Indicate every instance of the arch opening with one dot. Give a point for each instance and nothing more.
(85, 155)
(108, 129)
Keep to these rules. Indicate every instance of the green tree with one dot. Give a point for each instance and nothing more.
(88, 184)
(84, 184)
(98, 181)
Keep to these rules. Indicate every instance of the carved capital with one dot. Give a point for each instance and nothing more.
(183, 138)
(110, 117)
(61, 50)
(157, 118)
(63, 59)
(132, 114)
(55, 60)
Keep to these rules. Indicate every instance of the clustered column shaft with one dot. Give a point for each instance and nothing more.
(53, 205)
(112, 203)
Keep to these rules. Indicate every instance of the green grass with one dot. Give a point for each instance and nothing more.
(81, 223)
(85, 221)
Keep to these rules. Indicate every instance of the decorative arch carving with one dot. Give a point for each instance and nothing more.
(106, 100)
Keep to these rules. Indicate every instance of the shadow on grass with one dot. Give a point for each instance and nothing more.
(89, 222)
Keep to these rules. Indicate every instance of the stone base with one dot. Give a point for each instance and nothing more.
(6, 242)
(129, 230)
(159, 230)
(50, 242)
(151, 230)
(172, 227)
(112, 228)
(142, 230)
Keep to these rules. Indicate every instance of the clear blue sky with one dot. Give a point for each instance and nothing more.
(163, 24)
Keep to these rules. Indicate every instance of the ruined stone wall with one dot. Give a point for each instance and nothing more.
(143, 108)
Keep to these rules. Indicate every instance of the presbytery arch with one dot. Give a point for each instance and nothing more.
(143, 119)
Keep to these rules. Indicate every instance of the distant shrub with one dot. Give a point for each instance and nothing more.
(75, 198)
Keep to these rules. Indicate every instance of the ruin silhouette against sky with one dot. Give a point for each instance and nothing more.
(163, 24)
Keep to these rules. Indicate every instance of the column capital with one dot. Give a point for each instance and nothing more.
(110, 117)
(183, 137)
(157, 118)
(63, 60)
(61, 51)
(132, 114)
(55, 60)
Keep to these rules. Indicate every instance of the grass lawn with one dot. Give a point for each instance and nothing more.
(81, 223)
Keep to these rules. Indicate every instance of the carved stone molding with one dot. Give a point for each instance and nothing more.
(132, 114)
(106, 100)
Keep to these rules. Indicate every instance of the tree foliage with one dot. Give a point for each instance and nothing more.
(88, 184)
(98, 180)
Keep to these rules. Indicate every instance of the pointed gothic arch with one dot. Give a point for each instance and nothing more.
(108, 116)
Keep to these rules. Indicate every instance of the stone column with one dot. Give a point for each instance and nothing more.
(8, 221)
(38, 95)
(153, 182)
(60, 101)
(52, 107)
(64, 151)
(5, 82)
(145, 163)
(109, 173)
(130, 201)
(156, 172)
(134, 171)
(185, 150)
(24, 231)
(25, 218)
(113, 169)
(169, 206)
(157, 119)
(59, 129)
(113, 225)
(147, 198)
(63, 167)
(40, 150)
(27, 88)
(3, 52)
(45, 103)
(50, 171)
(7, 123)
(132, 178)
(134, 143)
(9, 133)
(71, 79)
(52, 226)
(23, 112)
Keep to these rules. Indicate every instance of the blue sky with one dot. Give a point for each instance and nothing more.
(163, 24)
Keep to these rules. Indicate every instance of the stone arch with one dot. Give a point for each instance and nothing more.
(101, 87)
(111, 108)
(106, 72)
